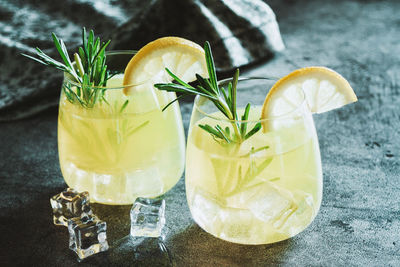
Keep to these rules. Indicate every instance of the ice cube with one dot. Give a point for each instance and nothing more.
(205, 208)
(243, 197)
(107, 187)
(145, 183)
(147, 217)
(237, 225)
(272, 204)
(221, 218)
(87, 236)
(69, 204)
(302, 216)
(80, 179)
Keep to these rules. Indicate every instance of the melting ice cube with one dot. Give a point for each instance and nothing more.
(205, 208)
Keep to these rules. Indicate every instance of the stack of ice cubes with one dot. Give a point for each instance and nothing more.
(87, 233)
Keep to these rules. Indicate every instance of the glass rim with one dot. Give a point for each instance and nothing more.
(286, 115)
(108, 53)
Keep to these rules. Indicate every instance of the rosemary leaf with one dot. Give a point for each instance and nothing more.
(172, 87)
(173, 101)
(233, 93)
(61, 50)
(243, 126)
(211, 130)
(82, 55)
(210, 65)
(178, 79)
(124, 106)
(255, 129)
(219, 129)
(78, 63)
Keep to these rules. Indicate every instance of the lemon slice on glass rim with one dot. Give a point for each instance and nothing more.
(323, 88)
(182, 57)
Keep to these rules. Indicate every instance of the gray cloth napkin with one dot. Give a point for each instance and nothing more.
(240, 32)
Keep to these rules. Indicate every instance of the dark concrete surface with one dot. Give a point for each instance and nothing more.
(359, 221)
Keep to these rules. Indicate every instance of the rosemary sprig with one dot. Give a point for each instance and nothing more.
(223, 98)
(90, 68)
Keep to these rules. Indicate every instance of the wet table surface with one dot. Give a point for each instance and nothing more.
(359, 220)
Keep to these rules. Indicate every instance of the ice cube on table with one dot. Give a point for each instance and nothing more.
(147, 217)
(87, 236)
(69, 204)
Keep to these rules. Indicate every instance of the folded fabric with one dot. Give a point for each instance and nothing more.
(240, 32)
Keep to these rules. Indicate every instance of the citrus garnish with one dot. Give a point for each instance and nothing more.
(181, 56)
(324, 90)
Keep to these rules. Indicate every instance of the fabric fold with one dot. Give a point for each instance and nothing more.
(241, 32)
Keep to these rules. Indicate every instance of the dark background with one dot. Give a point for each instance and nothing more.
(359, 220)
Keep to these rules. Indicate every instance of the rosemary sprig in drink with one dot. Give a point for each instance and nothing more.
(89, 70)
(223, 98)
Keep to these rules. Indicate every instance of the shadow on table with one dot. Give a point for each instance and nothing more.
(117, 218)
(139, 251)
(195, 247)
(29, 235)
(125, 250)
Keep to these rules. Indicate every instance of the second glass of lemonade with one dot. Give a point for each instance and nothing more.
(122, 147)
(267, 188)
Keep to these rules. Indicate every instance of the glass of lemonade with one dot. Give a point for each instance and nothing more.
(263, 190)
(123, 147)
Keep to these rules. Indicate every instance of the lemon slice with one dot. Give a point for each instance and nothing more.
(324, 90)
(181, 56)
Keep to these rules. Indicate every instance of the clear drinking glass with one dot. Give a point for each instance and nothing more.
(264, 190)
(119, 147)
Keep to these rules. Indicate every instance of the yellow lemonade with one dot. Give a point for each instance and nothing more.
(124, 147)
(264, 190)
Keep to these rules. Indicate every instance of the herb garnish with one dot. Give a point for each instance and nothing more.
(223, 98)
(89, 70)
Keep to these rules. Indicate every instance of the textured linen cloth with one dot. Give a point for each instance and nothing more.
(240, 32)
